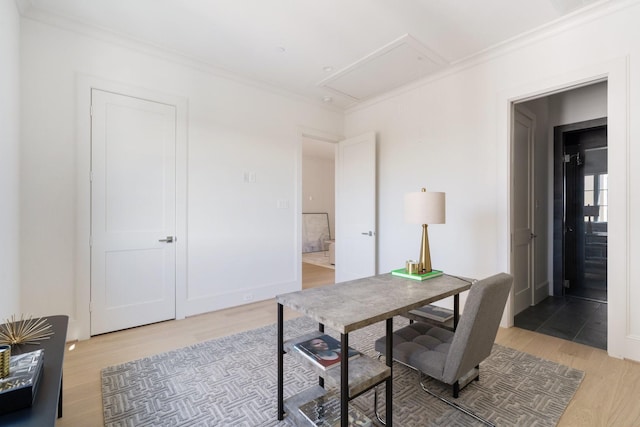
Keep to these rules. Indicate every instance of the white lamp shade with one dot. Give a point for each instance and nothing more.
(424, 208)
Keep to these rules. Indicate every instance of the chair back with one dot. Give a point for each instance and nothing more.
(478, 325)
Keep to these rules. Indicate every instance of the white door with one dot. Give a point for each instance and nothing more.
(356, 208)
(523, 236)
(133, 206)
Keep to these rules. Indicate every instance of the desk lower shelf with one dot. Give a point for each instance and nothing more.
(331, 411)
(364, 371)
(416, 318)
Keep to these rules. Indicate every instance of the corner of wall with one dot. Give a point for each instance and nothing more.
(10, 158)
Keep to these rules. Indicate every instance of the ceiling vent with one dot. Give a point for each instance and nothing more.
(400, 62)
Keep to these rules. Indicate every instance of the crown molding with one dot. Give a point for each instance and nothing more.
(53, 19)
(572, 20)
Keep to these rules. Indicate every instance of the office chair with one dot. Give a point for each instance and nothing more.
(454, 357)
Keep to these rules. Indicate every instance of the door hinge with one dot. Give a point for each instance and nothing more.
(90, 240)
(91, 110)
(90, 306)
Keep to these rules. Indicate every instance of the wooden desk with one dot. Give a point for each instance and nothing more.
(348, 306)
(48, 401)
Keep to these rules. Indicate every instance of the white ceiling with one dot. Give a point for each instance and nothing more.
(348, 50)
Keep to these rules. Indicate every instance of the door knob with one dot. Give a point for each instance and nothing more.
(169, 239)
(369, 233)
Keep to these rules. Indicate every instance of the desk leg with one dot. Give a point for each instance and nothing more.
(320, 379)
(280, 363)
(60, 397)
(389, 381)
(456, 310)
(344, 381)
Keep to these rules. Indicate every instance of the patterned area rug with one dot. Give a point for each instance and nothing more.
(231, 381)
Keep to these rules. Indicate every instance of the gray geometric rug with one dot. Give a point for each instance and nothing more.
(231, 381)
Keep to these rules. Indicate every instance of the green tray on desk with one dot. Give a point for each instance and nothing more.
(402, 272)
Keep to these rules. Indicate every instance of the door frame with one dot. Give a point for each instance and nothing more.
(79, 325)
(620, 341)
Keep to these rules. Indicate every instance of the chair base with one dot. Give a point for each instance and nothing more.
(451, 403)
(462, 409)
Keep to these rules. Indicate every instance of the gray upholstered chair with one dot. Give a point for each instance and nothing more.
(454, 357)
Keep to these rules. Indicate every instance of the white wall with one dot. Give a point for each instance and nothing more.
(241, 246)
(9, 159)
(451, 133)
(318, 188)
(578, 105)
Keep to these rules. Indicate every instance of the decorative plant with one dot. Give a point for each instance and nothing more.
(24, 331)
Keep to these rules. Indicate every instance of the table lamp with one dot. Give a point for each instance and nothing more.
(591, 212)
(424, 208)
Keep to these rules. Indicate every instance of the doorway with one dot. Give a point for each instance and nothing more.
(570, 176)
(354, 197)
(318, 212)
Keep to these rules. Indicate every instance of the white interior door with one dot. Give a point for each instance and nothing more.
(523, 236)
(133, 207)
(356, 208)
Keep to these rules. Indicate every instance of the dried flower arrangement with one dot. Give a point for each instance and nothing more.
(24, 331)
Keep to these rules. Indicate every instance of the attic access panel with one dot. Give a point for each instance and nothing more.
(402, 61)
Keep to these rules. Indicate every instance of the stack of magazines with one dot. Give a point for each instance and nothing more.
(18, 390)
(433, 312)
(324, 351)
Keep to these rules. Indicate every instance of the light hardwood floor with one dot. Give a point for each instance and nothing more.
(608, 396)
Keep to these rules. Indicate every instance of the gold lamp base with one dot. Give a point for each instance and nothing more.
(425, 255)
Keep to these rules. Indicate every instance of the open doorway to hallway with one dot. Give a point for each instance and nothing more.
(569, 246)
(318, 212)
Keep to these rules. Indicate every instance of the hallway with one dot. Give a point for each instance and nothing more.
(578, 320)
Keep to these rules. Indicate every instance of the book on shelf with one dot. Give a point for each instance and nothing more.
(18, 390)
(402, 272)
(325, 412)
(433, 312)
(324, 351)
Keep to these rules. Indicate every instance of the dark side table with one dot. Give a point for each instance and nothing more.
(47, 405)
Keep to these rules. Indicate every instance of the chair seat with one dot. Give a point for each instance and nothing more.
(422, 346)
